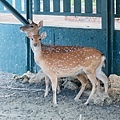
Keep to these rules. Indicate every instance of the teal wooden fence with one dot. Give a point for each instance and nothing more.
(13, 49)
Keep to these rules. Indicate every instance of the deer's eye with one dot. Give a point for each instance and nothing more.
(31, 26)
(40, 39)
(31, 38)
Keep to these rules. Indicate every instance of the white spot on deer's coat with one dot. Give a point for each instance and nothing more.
(74, 62)
(87, 57)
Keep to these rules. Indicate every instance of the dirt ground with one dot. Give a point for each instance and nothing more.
(20, 101)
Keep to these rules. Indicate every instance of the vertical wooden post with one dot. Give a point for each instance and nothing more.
(108, 25)
(46, 5)
(66, 5)
(77, 6)
(117, 6)
(36, 5)
(111, 28)
(98, 6)
(18, 5)
(56, 5)
(88, 6)
(30, 56)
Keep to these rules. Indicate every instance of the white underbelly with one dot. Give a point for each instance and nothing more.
(67, 73)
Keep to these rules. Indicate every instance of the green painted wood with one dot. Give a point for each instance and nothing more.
(117, 6)
(30, 56)
(117, 15)
(105, 9)
(111, 36)
(68, 14)
(66, 5)
(14, 11)
(108, 25)
(116, 52)
(1, 8)
(82, 37)
(16, 60)
(88, 6)
(77, 6)
(18, 6)
(12, 49)
(104, 12)
(10, 2)
(46, 5)
(36, 5)
(56, 5)
(98, 6)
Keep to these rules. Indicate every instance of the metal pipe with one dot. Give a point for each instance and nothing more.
(14, 12)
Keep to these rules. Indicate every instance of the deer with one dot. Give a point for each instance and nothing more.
(85, 60)
(33, 29)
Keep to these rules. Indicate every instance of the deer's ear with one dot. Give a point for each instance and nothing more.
(29, 37)
(43, 35)
(30, 21)
(40, 24)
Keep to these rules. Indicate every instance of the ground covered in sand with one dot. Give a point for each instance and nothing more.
(20, 101)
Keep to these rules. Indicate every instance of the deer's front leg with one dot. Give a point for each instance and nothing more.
(47, 85)
(54, 87)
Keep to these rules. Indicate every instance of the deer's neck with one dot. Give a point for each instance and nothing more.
(31, 45)
(38, 50)
(30, 34)
(38, 56)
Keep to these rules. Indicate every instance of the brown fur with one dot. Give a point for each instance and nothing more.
(33, 29)
(72, 63)
(46, 49)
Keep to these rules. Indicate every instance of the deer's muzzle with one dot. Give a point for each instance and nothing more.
(35, 44)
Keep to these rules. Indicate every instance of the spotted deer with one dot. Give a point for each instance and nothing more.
(85, 60)
(33, 29)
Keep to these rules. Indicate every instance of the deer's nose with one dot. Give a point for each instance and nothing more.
(35, 44)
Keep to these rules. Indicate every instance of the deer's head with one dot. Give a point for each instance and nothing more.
(32, 28)
(36, 39)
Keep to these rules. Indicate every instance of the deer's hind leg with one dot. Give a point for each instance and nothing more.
(101, 76)
(95, 84)
(84, 81)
